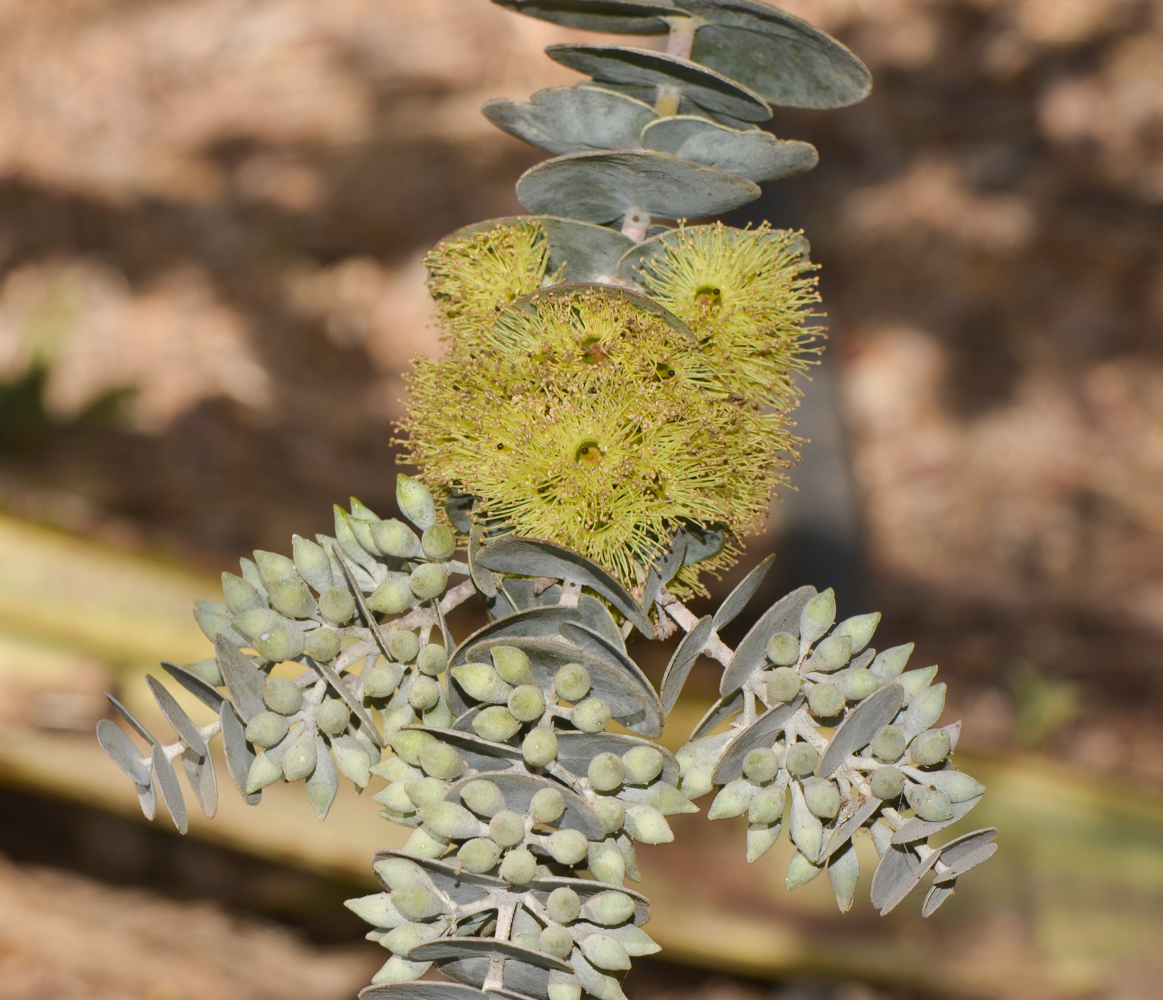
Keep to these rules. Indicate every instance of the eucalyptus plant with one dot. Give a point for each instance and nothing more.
(610, 417)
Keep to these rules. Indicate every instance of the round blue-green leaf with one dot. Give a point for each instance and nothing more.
(613, 17)
(751, 153)
(573, 119)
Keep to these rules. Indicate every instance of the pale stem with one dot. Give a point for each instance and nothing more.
(570, 593)
(716, 649)
(682, 36)
(635, 224)
(667, 100)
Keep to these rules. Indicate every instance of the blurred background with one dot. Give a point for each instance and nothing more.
(212, 219)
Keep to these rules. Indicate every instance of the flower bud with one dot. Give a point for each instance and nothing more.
(399, 970)
(408, 743)
(263, 771)
(696, 783)
(425, 791)
(643, 764)
(428, 580)
(272, 566)
(382, 680)
(290, 597)
(336, 605)
(783, 684)
(915, 681)
(929, 748)
(512, 664)
(395, 539)
(478, 855)
(539, 747)
(518, 867)
(547, 805)
(563, 986)
(958, 785)
(282, 695)
(207, 669)
(556, 940)
(760, 839)
(441, 761)
(831, 654)
(605, 952)
(439, 542)
(563, 905)
(395, 798)
(266, 729)
(859, 630)
(887, 783)
(392, 597)
(766, 805)
(333, 717)
(483, 797)
(800, 871)
(572, 682)
(403, 645)
(376, 909)
(801, 759)
(826, 700)
(783, 649)
(925, 709)
(605, 862)
(606, 772)
(761, 765)
(415, 502)
(817, 617)
(481, 683)
(311, 562)
(732, 800)
(404, 938)
(299, 757)
(889, 663)
(280, 644)
(526, 703)
(423, 844)
(258, 622)
(417, 902)
(423, 694)
(647, 825)
(353, 763)
(392, 768)
(669, 801)
(591, 715)
(931, 805)
(495, 723)
(322, 645)
(567, 847)
(450, 820)
(888, 743)
(396, 872)
(431, 660)
(611, 812)
(609, 908)
(822, 797)
(858, 684)
(240, 596)
(507, 828)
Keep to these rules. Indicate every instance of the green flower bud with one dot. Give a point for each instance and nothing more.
(572, 682)
(280, 644)
(483, 797)
(258, 622)
(606, 772)
(567, 847)
(539, 747)
(397, 872)
(423, 694)
(415, 502)
(888, 743)
(563, 986)
(450, 820)
(611, 812)
(394, 538)
(518, 867)
(958, 785)
(609, 908)
(299, 757)
(526, 703)
(931, 805)
(266, 729)
(440, 715)
(431, 660)
(887, 783)
(761, 765)
(439, 542)
(760, 839)
(831, 654)
(482, 683)
(817, 616)
(800, 871)
(290, 597)
(822, 797)
(606, 863)
(767, 805)
(441, 761)
(392, 768)
(395, 798)
(512, 664)
(844, 874)
(647, 825)
(417, 902)
(783, 649)
(591, 715)
(272, 566)
(479, 855)
(858, 684)
(507, 828)
(240, 596)
(547, 805)
(392, 597)
(353, 763)
(930, 747)
(428, 580)
(696, 783)
(403, 646)
(282, 695)
(783, 684)
(408, 743)
(556, 940)
(376, 909)
(336, 605)
(397, 716)
(425, 791)
(563, 905)
(826, 700)
(333, 717)
(382, 680)
(643, 764)
(423, 844)
(859, 630)
(801, 759)
(207, 669)
(399, 970)
(263, 771)
(915, 681)
(925, 709)
(605, 952)
(311, 562)
(322, 645)
(889, 663)
(404, 938)
(495, 723)
(669, 801)
(732, 800)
